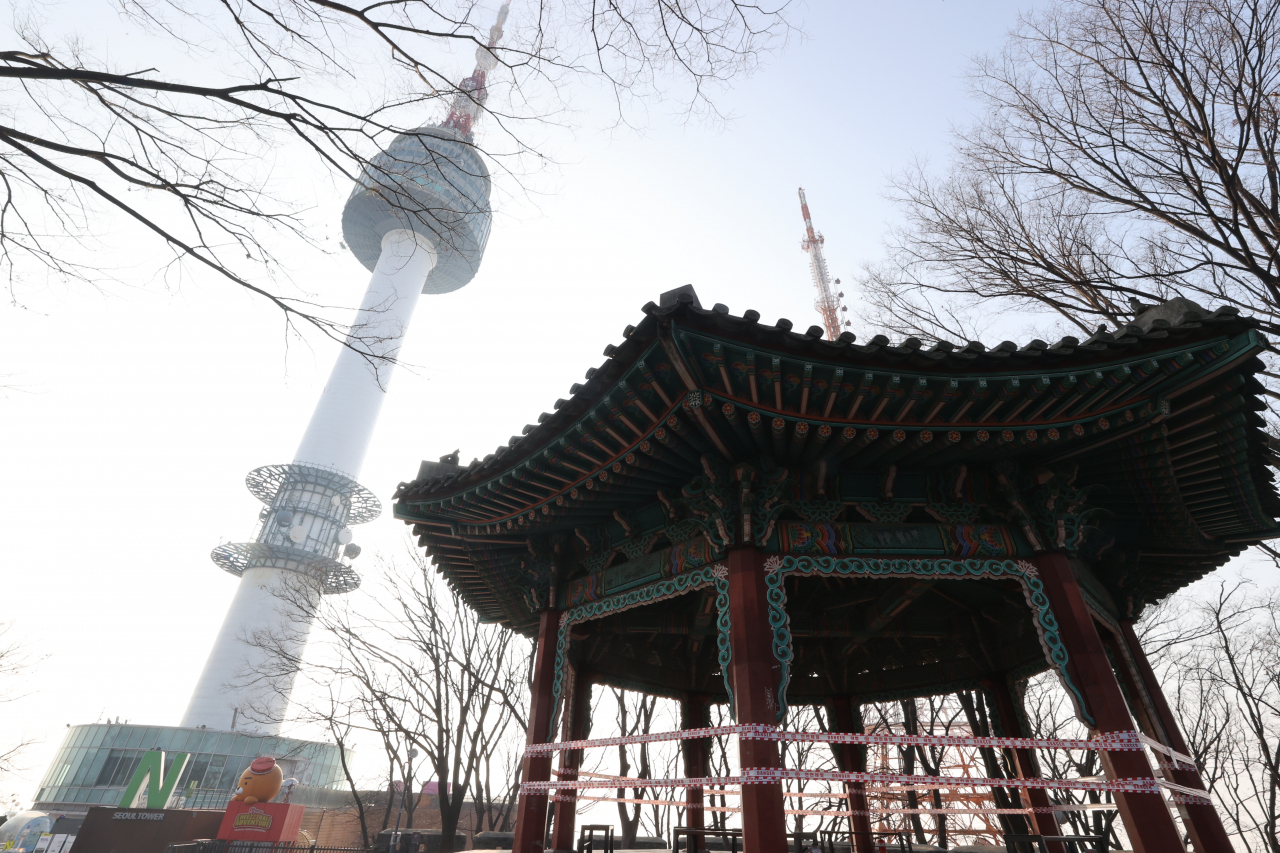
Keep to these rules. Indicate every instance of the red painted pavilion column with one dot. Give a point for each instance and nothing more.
(1045, 822)
(755, 677)
(1203, 822)
(577, 705)
(531, 809)
(846, 716)
(1146, 818)
(695, 713)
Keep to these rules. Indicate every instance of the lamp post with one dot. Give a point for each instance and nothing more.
(404, 792)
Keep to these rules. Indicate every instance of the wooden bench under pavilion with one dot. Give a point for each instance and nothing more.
(731, 512)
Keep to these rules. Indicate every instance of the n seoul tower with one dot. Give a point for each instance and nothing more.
(418, 219)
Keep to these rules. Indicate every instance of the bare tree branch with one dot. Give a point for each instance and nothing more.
(331, 81)
(1127, 153)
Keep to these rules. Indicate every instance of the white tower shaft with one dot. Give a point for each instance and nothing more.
(342, 424)
(269, 608)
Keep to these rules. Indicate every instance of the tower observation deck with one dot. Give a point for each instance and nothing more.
(418, 219)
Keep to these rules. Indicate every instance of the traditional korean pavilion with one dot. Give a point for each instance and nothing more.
(726, 511)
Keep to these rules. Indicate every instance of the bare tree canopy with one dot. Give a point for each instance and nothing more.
(414, 669)
(1126, 151)
(1220, 657)
(189, 151)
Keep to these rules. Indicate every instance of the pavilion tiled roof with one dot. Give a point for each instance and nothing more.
(686, 381)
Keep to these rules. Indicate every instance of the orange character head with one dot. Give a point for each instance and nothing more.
(259, 782)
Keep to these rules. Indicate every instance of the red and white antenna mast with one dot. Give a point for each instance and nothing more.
(472, 91)
(828, 301)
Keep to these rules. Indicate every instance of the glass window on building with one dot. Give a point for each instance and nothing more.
(133, 738)
(109, 767)
(99, 732)
(89, 770)
(230, 773)
(58, 771)
(119, 767)
(79, 767)
(196, 769)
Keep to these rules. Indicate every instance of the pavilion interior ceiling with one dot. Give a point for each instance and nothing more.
(887, 636)
(1139, 451)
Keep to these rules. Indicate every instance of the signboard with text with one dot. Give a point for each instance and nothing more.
(261, 822)
(116, 830)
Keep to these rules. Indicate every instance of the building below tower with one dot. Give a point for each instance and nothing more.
(96, 762)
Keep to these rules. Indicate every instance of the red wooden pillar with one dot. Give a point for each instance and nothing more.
(531, 809)
(846, 716)
(1203, 822)
(755, 676)
(1146, 818)
(695, 713)
(577, 724)
(1045, 822)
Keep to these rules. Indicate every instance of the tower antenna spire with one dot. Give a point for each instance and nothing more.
(472, 91)
(829, 302)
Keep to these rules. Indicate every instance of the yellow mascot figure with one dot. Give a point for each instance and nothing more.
(260, 782)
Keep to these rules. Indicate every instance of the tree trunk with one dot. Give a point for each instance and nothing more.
(449, 823)
(909, 767)
(977, 718)
(391, 801)
(627, 823)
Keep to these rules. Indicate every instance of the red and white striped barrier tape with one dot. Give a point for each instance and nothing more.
(1139, 785)
(1076, 807)
(641, 783)
(1129, 741)
(562, 798)
(770, 775)
(651, 737)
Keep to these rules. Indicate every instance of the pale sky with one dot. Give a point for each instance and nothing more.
(131, 416)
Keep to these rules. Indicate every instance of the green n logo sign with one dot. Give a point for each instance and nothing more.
(150, 770)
